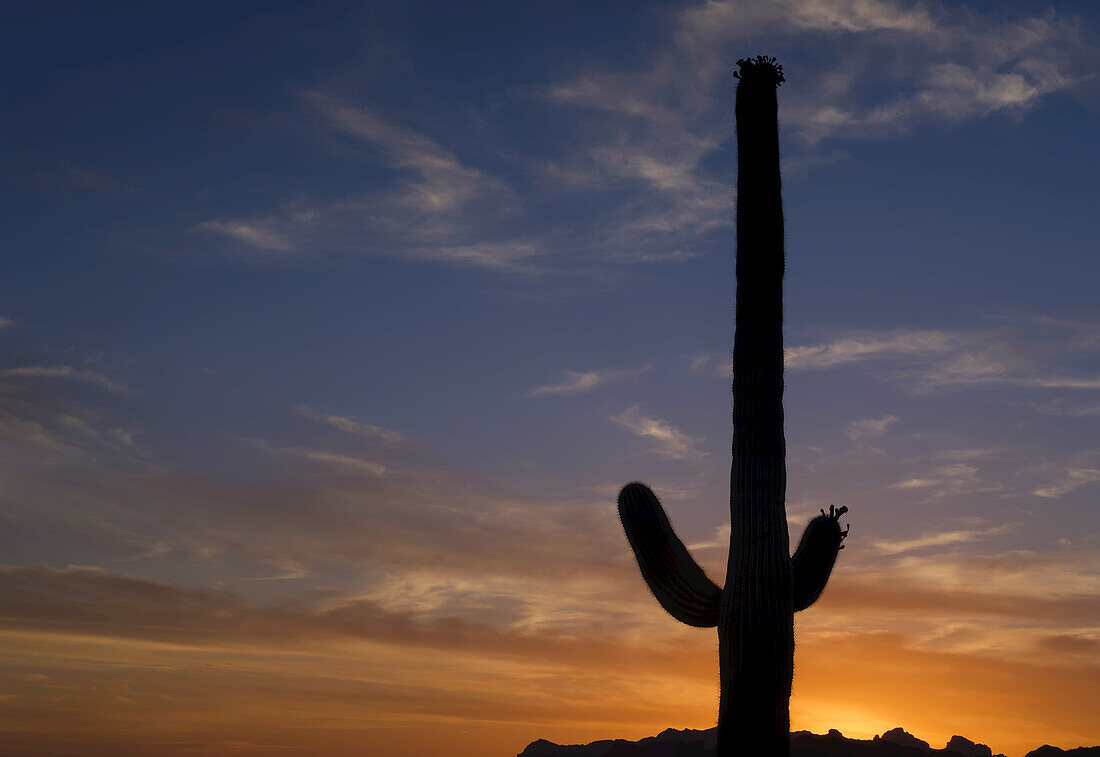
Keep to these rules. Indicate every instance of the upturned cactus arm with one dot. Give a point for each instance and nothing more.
(816, 554)
(674, 577)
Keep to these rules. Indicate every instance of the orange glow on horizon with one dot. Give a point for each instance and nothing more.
(332, 697)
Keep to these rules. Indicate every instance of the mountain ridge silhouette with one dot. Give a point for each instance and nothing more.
(896, 742)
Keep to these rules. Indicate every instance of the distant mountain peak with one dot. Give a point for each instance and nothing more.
(897, 742)
(902, 737)
(968, 748)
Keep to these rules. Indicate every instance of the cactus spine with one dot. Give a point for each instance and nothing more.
(754, 612)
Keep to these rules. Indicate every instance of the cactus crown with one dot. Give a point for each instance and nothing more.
(762, 68)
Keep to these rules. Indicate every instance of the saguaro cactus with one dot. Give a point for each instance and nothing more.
(754, 612)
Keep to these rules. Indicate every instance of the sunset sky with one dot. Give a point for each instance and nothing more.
(329, 331)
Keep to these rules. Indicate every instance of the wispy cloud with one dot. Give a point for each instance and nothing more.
(351, 425)
(36, 435)
(256, 233)
(1025, 574)
(647, 135)
(957, 65)
(1086, 334)
(1083, 470)
(653, 128)
(710, 362)
(942, 538)
(870, 427)
(290, 572)
(948, 480)
(63, 372)
(720, 540)
(667, 440)
(436, 206)
(932, 359)
(575, 382)
(946, 356)
(43, 426)
(1052, 382)
(968, 454)
(441, 183)
(869, 345)
(1059, 406)
(1025, 361)
(346, 462)
(512, 256)
(156, 549)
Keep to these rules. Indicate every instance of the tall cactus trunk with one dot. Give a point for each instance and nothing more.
(765, 585)
(756, 616)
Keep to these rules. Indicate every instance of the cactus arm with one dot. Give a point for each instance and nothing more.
(816, 554)
(674, 577)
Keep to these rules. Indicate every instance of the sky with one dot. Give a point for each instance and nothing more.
(329, 332)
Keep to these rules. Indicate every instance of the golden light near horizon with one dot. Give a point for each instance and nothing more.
(398, 683)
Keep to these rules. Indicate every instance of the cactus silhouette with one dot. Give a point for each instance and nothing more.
(765, 585)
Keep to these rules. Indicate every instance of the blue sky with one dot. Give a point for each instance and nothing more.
(351, 295)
